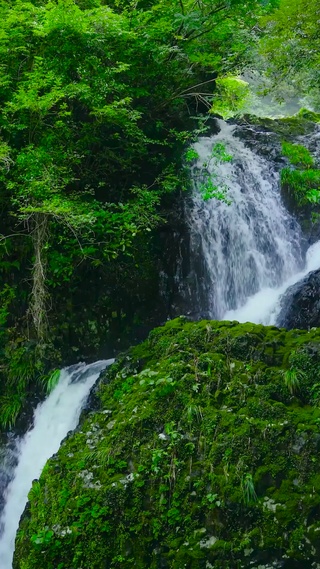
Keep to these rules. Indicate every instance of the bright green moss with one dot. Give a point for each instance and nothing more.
(298, 155)
(199, 454)
(303, 185)
(287, 128)
(309, 115)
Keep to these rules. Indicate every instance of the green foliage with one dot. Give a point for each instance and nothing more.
(202, 475)
(219, 153)
(10, 407)
(309, 115)
(191, 155)
(42, 538)
(298, 155)
(6, 296)
(291, 47)
(35, 492)
(24, 372)
(298, 372)
(303, 184)
(291, 379)
(302, 181)
(209, 182)
(231, 97)
(49, 382)
(248, 490)
(209, 191)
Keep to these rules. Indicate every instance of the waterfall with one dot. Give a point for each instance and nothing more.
(243, 255)
(53, 419)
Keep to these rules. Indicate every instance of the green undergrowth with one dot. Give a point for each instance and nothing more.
(203, 452)
(303, 185)
(300, 182)
(24, 372)
(298, 155)
(301, 179)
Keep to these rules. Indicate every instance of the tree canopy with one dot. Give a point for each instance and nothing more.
(291, 47)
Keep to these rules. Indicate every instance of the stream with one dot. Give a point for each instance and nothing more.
(52, 421)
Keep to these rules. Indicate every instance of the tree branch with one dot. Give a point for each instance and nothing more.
(4, 237)
(189, 35)
(198, 85)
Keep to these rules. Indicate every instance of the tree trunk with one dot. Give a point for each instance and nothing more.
(39, 295)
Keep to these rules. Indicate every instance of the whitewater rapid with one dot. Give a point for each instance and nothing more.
(264, 307)
(52, 421)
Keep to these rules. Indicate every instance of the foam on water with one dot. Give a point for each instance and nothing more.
(263, 307)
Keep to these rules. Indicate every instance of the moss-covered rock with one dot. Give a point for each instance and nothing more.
(288, 128)
(204, 453)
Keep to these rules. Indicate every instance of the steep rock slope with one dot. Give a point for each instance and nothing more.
(202, 451)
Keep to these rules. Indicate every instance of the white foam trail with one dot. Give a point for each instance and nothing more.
(53, 419)
(263, 307)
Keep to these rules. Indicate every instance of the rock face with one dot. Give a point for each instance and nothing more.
(204, 453)
(301, 304)
(265, 136)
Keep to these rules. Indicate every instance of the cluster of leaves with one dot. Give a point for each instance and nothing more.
(298, 155)
(209, 182)
(232, 95)
(303, 181)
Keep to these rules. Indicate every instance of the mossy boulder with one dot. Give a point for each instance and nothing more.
(204, 453)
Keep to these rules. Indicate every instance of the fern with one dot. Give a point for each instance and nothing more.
(292, 379)
(248, 490)
(50, 381)
(10, 407)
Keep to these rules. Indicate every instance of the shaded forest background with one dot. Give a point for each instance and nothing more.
(99, 102)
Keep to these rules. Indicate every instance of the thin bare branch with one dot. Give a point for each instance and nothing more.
(4, 237)
(198, 85)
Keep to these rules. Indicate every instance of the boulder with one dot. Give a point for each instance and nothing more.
(202, 453)
(300, 305)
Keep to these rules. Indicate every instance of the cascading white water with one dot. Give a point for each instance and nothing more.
(53, 419)
(264, 307)
(249, 248)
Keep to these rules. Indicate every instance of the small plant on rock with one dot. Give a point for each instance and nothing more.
(292, 379)
(248, 490)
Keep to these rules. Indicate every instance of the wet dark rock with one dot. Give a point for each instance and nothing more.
(300, 306)
(264, 136)
(263, 142)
